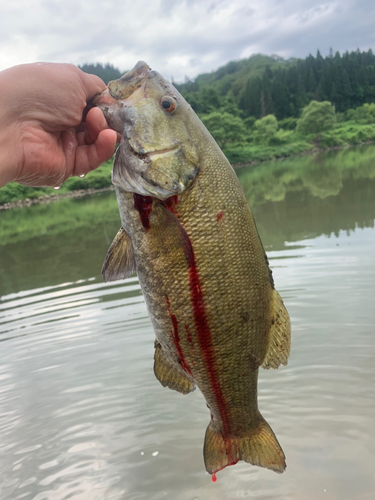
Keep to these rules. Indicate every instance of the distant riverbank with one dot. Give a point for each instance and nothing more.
(48, 198)
(15, 195)
(305, 152)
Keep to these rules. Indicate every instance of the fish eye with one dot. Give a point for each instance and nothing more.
(168, 104)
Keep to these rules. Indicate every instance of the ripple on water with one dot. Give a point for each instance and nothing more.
(82, 416)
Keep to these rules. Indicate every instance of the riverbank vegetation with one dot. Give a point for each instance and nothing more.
(319, 127)
(264, 108)
(321, 177)
(98, 179)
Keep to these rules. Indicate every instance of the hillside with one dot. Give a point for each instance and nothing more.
(233, 76)
(263, 85)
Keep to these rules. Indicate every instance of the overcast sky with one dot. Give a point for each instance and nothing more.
(179, 37)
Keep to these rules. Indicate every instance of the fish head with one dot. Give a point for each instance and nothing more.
(157, 155)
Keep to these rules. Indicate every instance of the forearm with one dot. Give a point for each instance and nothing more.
(9, 138)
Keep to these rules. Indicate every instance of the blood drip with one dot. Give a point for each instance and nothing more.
(214, 478)
(176, 339)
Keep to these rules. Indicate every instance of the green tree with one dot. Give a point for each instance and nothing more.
(265, 129)
(229, 105)
(194, 99)
(364, 114)
(250, 100)
(249, 122)
(316, 118)
(281, 95)
(224, 127)
(311, 81)
(288, 123)
(335, 95)
(210, 100)
(346, 91)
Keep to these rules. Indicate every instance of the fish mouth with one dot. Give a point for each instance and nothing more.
(111, 109)
(147, 156)
(123, 88)
(102, 100)
(121, 93)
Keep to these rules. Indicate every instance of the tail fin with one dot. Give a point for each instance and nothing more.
(257, 447)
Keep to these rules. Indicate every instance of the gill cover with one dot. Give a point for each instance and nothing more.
(156, 156)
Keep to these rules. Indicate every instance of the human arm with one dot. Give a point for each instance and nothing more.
(43, 140)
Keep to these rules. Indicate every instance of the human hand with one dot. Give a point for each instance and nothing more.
(43, 140)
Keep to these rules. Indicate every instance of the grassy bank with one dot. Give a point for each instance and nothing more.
(292, 143)
(248, 153)
(98, 179)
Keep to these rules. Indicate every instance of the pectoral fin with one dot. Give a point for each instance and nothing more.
(169, 375)
(172, 235)
(279, 347)
(119, 262)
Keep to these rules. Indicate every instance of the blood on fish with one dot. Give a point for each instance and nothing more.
(202, 329)
(204, 334)
(176, 339)
(233, 462)
(144, 206)
(219, 216)
(189, 337)
(171, 202)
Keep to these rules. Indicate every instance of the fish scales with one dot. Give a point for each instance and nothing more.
(188, 231)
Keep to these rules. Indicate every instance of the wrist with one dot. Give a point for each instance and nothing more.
(8, 156)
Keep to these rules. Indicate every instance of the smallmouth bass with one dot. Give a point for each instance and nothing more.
(188, 232)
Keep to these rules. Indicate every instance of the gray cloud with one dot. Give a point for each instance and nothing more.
(179, 37)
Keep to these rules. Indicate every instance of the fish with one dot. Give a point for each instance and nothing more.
(188, 232)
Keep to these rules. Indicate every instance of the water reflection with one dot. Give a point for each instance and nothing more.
(81, 414)
(312, 195)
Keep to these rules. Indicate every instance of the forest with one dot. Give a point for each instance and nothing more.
(263, 85)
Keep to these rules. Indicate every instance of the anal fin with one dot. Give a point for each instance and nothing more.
(119, 262)
(280, 334)
(168, 375)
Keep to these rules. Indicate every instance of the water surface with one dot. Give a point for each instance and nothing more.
(81, 413)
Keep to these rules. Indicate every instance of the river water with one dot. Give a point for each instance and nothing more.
(81, 413)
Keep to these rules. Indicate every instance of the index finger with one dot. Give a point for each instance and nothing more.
(92, 84)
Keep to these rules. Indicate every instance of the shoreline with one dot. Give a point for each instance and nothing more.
(307, 152)
(48, 198)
